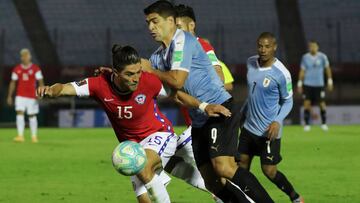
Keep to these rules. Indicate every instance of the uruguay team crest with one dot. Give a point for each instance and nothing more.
(266, 82)
(140, 99)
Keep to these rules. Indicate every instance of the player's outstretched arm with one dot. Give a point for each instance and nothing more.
(56, 90)
(212, 110)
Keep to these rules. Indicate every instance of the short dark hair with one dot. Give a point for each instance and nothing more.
(123, 56)
(185, 11)
(267, 35)
(162, 7)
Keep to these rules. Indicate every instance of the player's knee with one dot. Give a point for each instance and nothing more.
(269, 171)
(32, 116)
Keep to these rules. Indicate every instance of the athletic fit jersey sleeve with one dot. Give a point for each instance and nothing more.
(14, 76)
(228, 78)
(182, 53)
(38, 75)
(210, 52)
(326, 61)
(82, 87)
(302, 65)
(286, 93)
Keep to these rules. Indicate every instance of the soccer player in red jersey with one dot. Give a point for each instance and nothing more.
(25, 76)
(128, 97)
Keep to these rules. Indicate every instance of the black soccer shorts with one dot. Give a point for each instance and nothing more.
(218, 136)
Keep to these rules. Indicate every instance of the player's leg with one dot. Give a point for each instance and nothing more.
(159, 147)
(140, 190)
(222, 148)
(20, 108)
(270, 157)
(307, 96)
(33, 110)
(245, 149)
(322, 106)
(184, 166)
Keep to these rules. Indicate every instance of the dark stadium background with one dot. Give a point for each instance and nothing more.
(69, 38)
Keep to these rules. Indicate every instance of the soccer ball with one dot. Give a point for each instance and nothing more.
(129, 158)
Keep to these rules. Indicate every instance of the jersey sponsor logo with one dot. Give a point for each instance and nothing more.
(266, 82)
(81, 83)
(140, 99)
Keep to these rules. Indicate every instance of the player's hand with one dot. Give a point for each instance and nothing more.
(146, 65)
(44, 91)
(273, 130)
(216, 110)
(9, 101)
(330, 88)
(101, 70)
(300, 90)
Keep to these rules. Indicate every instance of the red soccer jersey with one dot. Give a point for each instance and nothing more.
(210, 51)
(26, 79)
(134, 116)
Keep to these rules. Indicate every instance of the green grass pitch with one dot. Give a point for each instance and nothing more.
(74, 165)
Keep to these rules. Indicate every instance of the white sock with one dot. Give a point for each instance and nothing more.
(33, 125)
(190, 174)
(20, 124)
(157, 191)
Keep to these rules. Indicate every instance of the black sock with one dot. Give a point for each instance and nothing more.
(283, 184)
(323, 116)
(307, 117)
(251, 186)
(237, 195)
(225, 194)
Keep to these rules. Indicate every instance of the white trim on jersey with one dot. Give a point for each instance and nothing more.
(286, 73)
(179, 41)
(14, 76)
(214, 63)
(164, 92)
(179, 68)
(38, 75)
(81, 88)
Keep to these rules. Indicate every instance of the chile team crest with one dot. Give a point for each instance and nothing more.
(140, 99)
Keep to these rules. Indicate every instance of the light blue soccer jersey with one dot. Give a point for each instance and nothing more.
(185, 53)
(269, 95)
(314, 67)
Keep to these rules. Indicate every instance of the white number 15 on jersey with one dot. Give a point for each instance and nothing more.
(124, 112)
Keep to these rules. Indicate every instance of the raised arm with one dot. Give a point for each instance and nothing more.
(56, 90)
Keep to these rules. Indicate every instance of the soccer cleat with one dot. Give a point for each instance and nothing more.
(324, 127)
(299, 200)
(34, 139)
(19, 139)
(307, 128)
